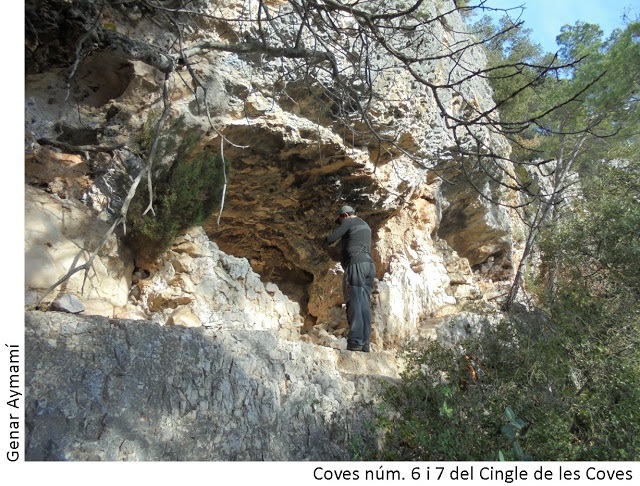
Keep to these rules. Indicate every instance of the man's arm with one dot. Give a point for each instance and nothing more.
(336, 235)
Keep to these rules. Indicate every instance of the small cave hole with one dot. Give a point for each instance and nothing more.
(101, 78)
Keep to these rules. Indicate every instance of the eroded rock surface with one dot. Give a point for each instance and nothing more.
(230, 345)
(61, 232)
(143, 392)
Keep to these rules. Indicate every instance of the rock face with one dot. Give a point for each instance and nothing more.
(230, 345)
(59, 232)
(198, 283)
(292, 166)
(144, 392)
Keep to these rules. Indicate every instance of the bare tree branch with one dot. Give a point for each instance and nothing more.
(156, 138)
(85, 266)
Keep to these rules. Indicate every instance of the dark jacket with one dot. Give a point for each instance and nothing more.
(356, 241)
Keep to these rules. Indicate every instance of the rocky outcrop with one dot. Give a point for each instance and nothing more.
(118, 389)
(230, 345)
(198, 284)
(291, 164)
(105, 389)
(61, 234)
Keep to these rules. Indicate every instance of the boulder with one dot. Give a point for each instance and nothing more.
(67, 303)
(183, 316)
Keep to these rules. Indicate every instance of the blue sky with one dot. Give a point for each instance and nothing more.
(546, 17)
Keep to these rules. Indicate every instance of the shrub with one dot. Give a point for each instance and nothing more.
(185, 195)
(431, 415)
(571, 380)
(573, 383)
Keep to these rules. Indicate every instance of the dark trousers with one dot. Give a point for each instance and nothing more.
(357, 285)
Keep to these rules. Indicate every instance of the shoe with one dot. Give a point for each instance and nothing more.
(353, 347)
(365, 348)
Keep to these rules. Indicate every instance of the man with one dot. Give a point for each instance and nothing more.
(359, 273)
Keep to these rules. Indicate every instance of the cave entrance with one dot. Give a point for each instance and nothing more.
(271, 263)
(102, 78)
(294, 283)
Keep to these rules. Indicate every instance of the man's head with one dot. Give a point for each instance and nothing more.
(344, 212)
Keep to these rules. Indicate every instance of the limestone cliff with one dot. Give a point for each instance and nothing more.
(238, 327)
(141, 391)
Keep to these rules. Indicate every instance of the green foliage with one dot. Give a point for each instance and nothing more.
(428, 417)
(596, 93)
(607, 73)
(578, 41)
(573, 376)
(596, 296)
(148, 131)
(513, 430)
(522, 86)
(361, 444)
(185, 195)
(597, 244)
(541, 373)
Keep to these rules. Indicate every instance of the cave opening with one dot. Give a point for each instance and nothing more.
(101, 78)
(295, 283)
